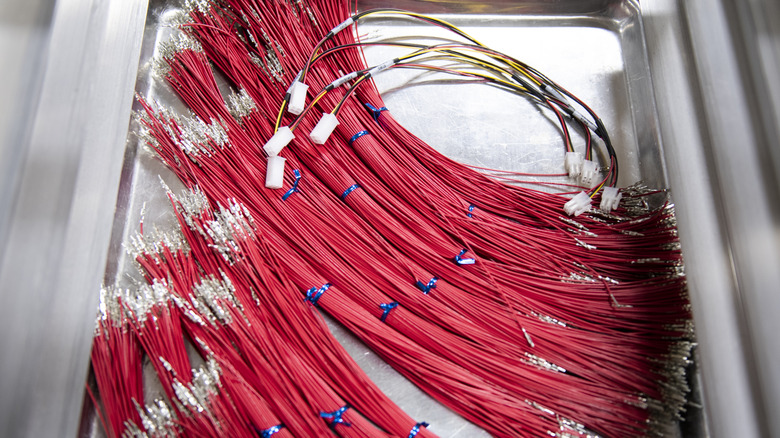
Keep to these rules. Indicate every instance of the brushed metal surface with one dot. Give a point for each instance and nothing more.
(54, 255)
(716, 77)
(739, 153)
(24, 36)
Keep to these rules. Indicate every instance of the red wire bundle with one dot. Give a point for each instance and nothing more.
(282, 371)
(116, 364)
(523, 321)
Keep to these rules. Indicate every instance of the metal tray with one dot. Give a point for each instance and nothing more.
(594, 48)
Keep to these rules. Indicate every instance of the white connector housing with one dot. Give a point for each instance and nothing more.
(589, 176)
(298, 92)
(610, 199)
(325, 127)
(573, 162)
(275, 144)
(577, 205)
(274, 174)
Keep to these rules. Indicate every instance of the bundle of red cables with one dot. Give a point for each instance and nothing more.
(484, 294)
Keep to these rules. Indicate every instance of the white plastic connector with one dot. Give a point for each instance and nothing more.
(577, 205)
(326, 125)
(274, 174)
(298, 92)
(589, 176)
(275, 144)
(610, 199)
(573, 162)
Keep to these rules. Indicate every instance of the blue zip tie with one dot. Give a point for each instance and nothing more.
(427, 287)
(471, 210)
(336, 416)
(375, 112)
(416, 429)
(387, 307)
(461, 261)
(349, 190)
(267, 433)
(294, 188)
(313, 295)
(357, 136)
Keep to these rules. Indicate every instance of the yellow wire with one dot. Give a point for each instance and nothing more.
(511, 63)
(308, 108)
(279, 117)
(427, 17)
(317, 99)
(600, 186)
(481, 75)
(476, 62)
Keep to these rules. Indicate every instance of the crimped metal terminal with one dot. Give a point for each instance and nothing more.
(549, 319)
(544, 364)
(202, 6)
(139, 305)
(157, 418)
(211, 296)
(241, 105)
(567, 428)
(155, 242)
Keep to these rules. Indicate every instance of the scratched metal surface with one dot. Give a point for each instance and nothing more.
(594, 48)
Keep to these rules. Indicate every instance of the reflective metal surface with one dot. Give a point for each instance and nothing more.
(703, 74)
(597, 54)
(713, 104)
(54, 253)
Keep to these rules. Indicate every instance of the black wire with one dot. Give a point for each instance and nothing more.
(525, 87)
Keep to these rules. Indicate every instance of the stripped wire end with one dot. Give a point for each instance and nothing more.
(161, 64)
(109, 308)
(241, 105)
(157, 418)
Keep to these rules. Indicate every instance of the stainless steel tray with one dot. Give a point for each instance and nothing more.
(595, 49)
(713, 70)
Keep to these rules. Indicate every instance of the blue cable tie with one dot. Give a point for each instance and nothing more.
(349, 190)
(427, 287)
(313, 295)
(375, 112)
(416, 429)
(461, 261)
(471, 210)
(357, 136)
(336, 416)
(294, 188)
(267, 433)
(387, 307)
